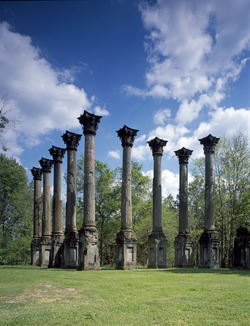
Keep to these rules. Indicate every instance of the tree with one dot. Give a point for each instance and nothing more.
(232, 170)
(15, 212)
(232, 188)
(108, 205)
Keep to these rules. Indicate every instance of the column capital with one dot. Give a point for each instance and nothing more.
(157, 145)
(57, 153)
(127, 135)
(183, 154)
(37, 173)
(46, 164)
(89, 122)
(209, 143)
(71, 140)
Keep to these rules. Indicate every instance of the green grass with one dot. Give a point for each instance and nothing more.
(37, 296)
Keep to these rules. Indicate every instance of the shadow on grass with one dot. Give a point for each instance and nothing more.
(195, 270)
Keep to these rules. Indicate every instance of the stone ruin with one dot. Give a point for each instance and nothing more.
(78, 249)
(241, 252)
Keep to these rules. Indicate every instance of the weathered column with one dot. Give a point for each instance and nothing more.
(183, 244)
(88, 248)
(57, 219)
(209, 240)
(46, 166)
(126, 242)
(37, 227)
(156, 240)
(71, 241)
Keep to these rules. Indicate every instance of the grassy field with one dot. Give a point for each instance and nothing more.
(37, 296)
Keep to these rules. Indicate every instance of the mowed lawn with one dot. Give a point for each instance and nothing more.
(38, 296)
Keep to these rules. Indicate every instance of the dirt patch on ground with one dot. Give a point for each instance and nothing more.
(46, 293)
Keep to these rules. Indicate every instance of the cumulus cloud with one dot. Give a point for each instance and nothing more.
(114, 154)
(194, 49)
(101, 111)
(40, 99)
(161, 116)
(169, 182)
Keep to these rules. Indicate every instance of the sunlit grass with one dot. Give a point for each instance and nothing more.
(35, 296)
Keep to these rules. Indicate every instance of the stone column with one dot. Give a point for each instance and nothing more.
(183, 244)
(57, 219)
(37, 227)
(156, 240)
(126, 242)
(71, 241)
(209, 240)
(46, 165)
(88, 248)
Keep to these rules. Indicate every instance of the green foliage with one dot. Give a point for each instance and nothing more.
(15, 213)
(232, 189)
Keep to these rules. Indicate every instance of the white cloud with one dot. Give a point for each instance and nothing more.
(114, 154)
(140, 139)
(141, 153)
(161, 116)
(194, 49)
(101, 111)
(41, 100)
(169, 182)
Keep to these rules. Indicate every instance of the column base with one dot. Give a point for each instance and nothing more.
(209, 250)
(56, 257)
(35, 251)
(70, 250)
(157, 252)
(88, 249)
(45, 253)
(126, 250)
(183, 251)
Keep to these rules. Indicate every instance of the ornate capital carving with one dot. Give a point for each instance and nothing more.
(89, 122)
(37, 173)
(46, 164)
(71, 140)
(183, 154)
(209, 143)
(127, 135)
(157, 145)
(57, 153)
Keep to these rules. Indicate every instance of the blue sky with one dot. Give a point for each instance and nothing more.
(178, 70)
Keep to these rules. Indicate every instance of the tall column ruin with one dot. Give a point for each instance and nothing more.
(157, 257)
(57, 218)
(209, 240)
(126, 242)
(46, 165)
(183, 244)
(71, 240)
(37, 225)
(88, 248)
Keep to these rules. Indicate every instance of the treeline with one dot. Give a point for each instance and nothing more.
(232, 202)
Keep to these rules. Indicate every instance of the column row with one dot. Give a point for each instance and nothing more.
(73, 249)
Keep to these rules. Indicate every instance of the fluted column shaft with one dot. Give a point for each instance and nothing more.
(72, 142)
(37, 175)
(127, 136)
(46, 165)
(209, 144)
(89, 181)
(156, 146)
(89, 123)
(126, 200)
(57, 154)
(183, 154)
